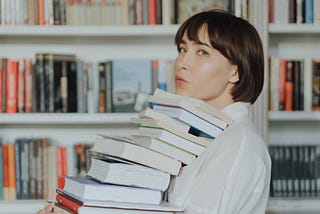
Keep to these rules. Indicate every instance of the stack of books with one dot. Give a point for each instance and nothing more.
(131, 174)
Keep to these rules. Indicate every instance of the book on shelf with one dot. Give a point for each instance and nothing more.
(288, 84)
(132, 152)
(115, 171)
(73, 204)
(3, 87)
(295, 171)
(164, 148)
(316, 85)
(132, 82)
(85, 188)
(12, 85)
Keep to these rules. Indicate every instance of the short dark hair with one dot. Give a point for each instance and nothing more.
(238, 41)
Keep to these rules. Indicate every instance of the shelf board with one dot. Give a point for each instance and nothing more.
(92, 31)
(21, 206)
(294, 116)
(294, 28)
(66, 118)
(293, 205)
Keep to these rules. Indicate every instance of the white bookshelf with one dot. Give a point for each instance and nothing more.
(90, 31)
(293, 206)
(294, 41)
(65, 118)
(94, 43)
(21, 206)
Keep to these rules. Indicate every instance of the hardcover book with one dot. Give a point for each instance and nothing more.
(132, 152)
(196, 106)
(131, 83)
(71, 203)
(165, 148)
(115, 171)
(89, 189)
(171, 138)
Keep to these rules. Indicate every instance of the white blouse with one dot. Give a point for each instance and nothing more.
(231, 176)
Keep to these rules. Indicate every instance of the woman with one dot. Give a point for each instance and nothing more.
(221, 62)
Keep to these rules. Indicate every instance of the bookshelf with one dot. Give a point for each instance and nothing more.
(95, 43)
(294, 128)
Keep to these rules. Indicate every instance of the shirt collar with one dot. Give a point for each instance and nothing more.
(237, 110)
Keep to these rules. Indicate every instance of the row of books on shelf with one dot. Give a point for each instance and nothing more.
(124, 12)
(65, 83)
(294, 84)
(295, 171)
(294, 11)
(31, 168)
(133, 173)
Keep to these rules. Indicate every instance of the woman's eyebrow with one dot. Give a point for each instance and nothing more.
(202, 43)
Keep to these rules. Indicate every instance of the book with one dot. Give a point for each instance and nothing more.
(316, 85)
(173, 139)
(152, 117)
(131, 84)
(165, 148)
(89, 189)
(201, 124)
(12, 86)
(173, 129)
(115, 171)
(196, 106)
(73, 204)
(128, 150)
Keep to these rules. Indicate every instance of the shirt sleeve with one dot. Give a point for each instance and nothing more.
(228, 178)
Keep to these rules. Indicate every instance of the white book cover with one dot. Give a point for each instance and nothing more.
(98, 206)
(172, 139)
(165, 148)
(211, 129)
(116, 172)
(88, 189)
(138, 154)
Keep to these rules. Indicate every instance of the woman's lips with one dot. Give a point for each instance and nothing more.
(180, 80)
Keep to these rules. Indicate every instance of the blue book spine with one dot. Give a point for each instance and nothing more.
(309, 11)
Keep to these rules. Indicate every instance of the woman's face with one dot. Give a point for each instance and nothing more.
(204, 73)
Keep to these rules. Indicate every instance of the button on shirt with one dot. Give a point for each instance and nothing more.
(231, 176)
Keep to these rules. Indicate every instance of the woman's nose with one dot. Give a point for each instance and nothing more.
(184, 61)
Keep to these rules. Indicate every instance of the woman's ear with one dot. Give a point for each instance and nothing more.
(234, 74)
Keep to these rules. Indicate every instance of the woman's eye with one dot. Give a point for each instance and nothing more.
(181, 50)
(202, 52)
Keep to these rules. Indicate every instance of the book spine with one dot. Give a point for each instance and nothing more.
(12, 86)
(102, 88)
(1, 171)
(25, 166)
(152, 11)
(17, 153)
(21, 86)
(5, 172)
(11, 172)
(68, 203)
(1, 85)
(108, 76)
(28, 86)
